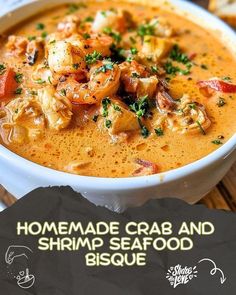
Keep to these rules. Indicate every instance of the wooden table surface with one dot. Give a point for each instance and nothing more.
(222, 197)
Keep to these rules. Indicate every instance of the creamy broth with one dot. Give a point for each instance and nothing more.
(86, 149)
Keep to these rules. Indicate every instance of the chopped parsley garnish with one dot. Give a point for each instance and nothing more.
(44, 35)
(116, 108)
(204, 67)
(217, 142)
(147, 29)
(173, 70)
(108, 124)
(104, 13)
(40, 81)
(192, 106)
(129, 59)
(134, 50)
(132, 40)
(159, 131)
(2, 69)
(104, 68)
(95, 118)
(177, 55)
(76, 66)
(18, 78)
(93, 57)
(86, 36)
(140, 107)
(228, 79)
(115, 35)
(144, 132)
(63, 92)
(135, 75)
(89, 19)
(73, 7)
(40, 27)
(154, 69)
(221, 102)
(105, 103)
(18, 91)
(31, 38)
(33, 92)
(49, 79)
(201, 128)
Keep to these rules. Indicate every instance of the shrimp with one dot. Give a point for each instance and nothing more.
(100, 43)
(104, 79)
(190, 117)
(137, 80)
(130, 74)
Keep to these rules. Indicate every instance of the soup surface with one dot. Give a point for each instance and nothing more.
(114, 90)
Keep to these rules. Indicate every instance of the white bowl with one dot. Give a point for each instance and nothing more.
(189, 183)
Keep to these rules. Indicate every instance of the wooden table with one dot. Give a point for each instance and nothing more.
(222, 197)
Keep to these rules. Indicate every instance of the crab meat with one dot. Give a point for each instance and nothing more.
(155, 48)
(17, 45)
(161, 27)
(57, 109)
(65, 58)
(121, 118)
(145, 168)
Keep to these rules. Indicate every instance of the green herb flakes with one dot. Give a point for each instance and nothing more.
(108, 124)
(105, 103)
(93, 57)
(159, 131)
(104, 68)
(18, 91)
(95, 118)
(40, 26)
(147, 29)
(217, 142)
(201, 128)
(140, 107)
(221, 102)
(86, 36)
(2, 69)
(18, 78)
(63, 92)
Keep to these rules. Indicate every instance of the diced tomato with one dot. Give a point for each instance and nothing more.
(146, 168)
(217, 85)
(8, 84)
(192, 55)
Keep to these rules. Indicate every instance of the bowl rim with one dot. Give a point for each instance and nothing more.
(124, 183)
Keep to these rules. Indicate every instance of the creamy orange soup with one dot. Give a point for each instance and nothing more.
(114, 90)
